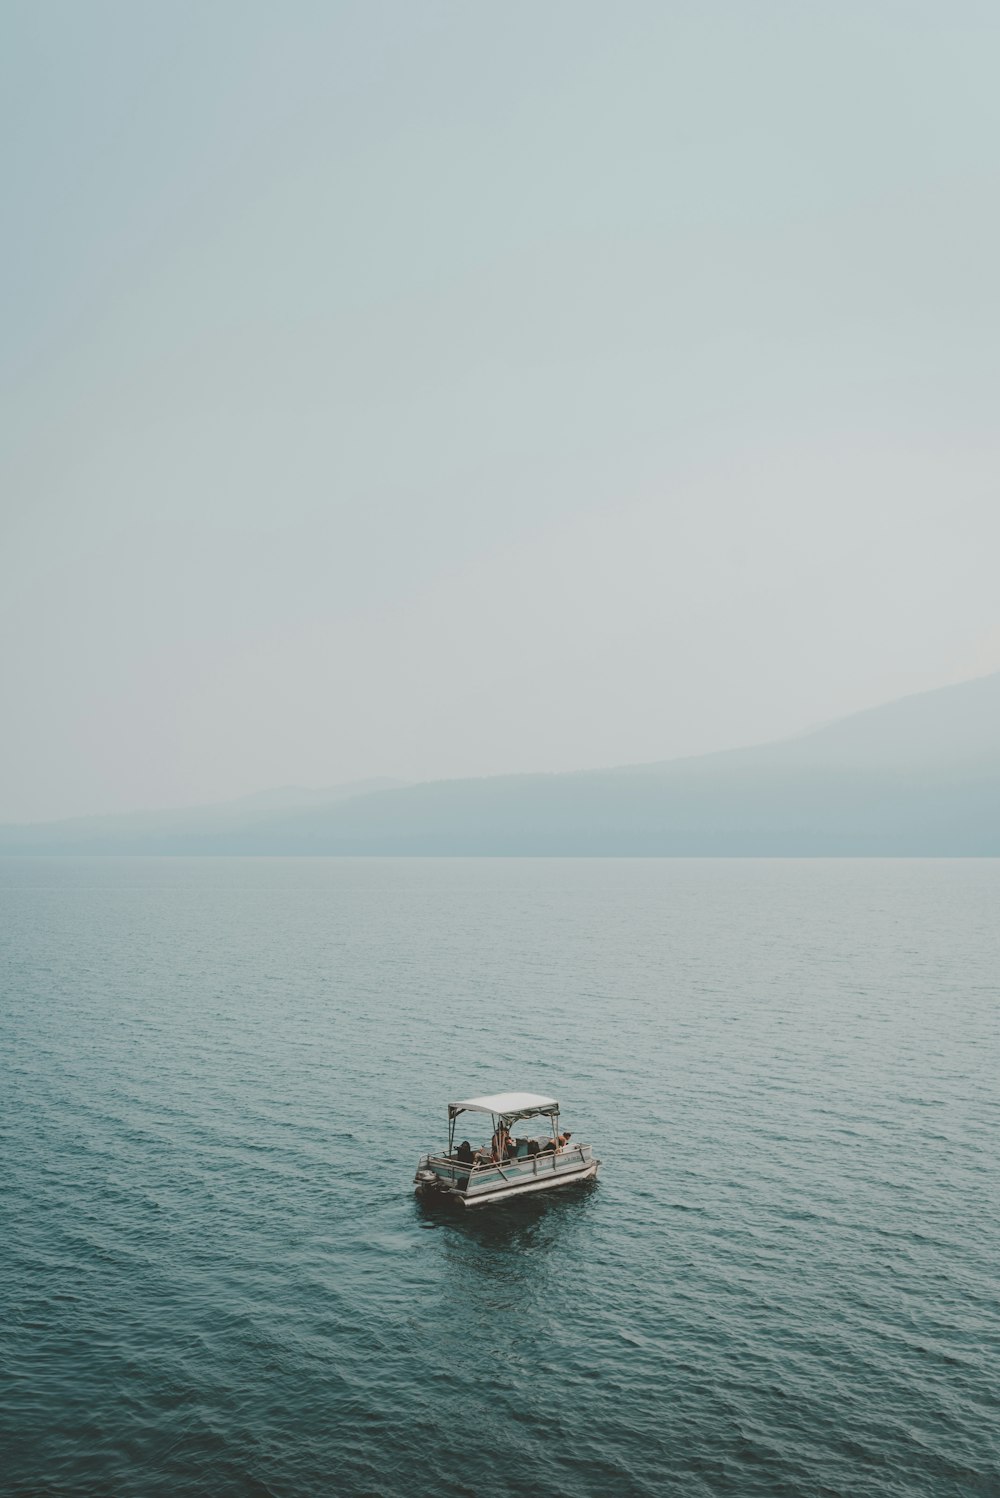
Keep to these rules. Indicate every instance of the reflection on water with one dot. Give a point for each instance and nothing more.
(536, 1219)
(518, 1248)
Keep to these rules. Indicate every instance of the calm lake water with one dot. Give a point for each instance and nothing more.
(216, 1077)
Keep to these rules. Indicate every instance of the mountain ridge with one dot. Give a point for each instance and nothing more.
(920, 775)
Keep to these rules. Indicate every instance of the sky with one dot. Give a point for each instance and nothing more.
(426, 388)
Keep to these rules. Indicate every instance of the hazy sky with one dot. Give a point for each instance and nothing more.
(432, 388)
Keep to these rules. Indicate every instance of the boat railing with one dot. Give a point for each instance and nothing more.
(451, 1163)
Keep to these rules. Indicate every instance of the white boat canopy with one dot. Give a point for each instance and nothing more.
(508, 1105)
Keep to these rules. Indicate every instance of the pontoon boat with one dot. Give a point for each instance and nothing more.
(507, 1166)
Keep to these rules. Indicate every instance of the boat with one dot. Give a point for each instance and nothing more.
(507, 1166)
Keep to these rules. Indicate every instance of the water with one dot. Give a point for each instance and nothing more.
(216, 1077)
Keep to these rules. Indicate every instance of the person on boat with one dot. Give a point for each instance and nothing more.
(464, 1152)
(501, 1146)
(563, 1140)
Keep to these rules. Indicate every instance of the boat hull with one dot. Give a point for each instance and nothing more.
(445, 1176)
(519, 1188)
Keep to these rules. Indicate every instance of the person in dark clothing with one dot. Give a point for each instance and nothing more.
(464, 1152)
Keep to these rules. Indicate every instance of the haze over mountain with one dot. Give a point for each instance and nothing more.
(917, 776)
(146, 830)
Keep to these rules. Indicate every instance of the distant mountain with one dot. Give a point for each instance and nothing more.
(958, 725)
(920, 776)
(151, 831)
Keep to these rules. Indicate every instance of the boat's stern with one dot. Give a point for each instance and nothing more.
(437, 1173)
